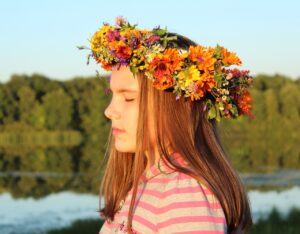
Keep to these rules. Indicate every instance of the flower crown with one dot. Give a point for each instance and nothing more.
(199, 73)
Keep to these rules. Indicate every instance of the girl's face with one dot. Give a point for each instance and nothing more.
(123, 108)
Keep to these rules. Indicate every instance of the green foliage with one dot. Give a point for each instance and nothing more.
(52, 133)
(58, 109)
(60, 127)
(276, 223)
(80, 226)
(270, 141)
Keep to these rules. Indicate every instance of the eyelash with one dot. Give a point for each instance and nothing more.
(129, 100)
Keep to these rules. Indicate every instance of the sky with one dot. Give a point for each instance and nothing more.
(42, 36)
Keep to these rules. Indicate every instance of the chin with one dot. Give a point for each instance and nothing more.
(124, 148)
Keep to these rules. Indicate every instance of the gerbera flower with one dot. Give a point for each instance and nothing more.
(164, 65)
(203, 56)
(206, 83)
(230, 58)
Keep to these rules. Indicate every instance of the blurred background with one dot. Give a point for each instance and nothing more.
(53, 132)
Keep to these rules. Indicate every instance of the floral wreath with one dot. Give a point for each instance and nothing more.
(199, 73)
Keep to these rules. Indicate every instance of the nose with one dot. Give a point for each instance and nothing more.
(111, 112)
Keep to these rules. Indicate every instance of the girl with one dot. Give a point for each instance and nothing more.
(166, 170)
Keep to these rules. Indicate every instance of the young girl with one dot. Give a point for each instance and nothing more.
(166, 170)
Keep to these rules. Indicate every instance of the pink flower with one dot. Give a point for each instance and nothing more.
(120, 21)
(153, 39)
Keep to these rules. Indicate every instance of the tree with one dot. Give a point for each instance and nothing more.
(58, 109)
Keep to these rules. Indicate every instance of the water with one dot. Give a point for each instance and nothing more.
(61, 209)
(263, 202)
(54, 211)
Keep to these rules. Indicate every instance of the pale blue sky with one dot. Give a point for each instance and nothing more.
(41, 36)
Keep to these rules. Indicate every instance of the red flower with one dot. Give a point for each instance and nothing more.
(244, 104)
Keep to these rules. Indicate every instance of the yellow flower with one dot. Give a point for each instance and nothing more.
(131, 33)
(195, 83)
(99, 39)
(189, 75)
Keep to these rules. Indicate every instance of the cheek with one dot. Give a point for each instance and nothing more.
(131, 118)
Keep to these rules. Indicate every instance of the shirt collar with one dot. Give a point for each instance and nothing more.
(162, 168)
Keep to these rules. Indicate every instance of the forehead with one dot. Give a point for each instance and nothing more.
(122, 79)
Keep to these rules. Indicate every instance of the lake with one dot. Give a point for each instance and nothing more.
(28, 215)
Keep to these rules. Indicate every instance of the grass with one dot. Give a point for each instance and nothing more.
(88, 226)
(275, 224)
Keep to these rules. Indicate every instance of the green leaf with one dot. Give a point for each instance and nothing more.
(233, 110)
(218, 52)
(218, 77)
(212, 112)
(134, 70)
(82, 47)
(159, 32)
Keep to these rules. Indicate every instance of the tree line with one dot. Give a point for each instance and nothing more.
(59, 127)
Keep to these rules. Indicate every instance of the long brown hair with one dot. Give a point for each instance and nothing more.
(183, 125)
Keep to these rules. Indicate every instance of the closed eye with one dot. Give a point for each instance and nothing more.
(129, 100)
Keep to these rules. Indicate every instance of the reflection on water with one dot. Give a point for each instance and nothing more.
(279, 178)
(54, 211)
(37, 174)
(61, 209)
(263, 202)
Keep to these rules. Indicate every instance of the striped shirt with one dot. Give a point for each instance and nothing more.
(169, 201)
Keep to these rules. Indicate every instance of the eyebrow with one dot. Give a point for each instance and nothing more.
(124, 90)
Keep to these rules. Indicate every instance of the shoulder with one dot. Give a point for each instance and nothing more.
(186, 204)
(181, 185)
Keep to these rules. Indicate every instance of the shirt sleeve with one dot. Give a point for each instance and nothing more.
(187, 206)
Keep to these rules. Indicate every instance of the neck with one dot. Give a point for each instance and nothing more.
(152, 160)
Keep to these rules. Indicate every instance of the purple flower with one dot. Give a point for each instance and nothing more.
(123, 61)
(112, 35)
(134, 42)
(108, 79)
(205, 107)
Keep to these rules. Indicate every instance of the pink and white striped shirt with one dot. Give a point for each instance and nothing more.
(169, 201)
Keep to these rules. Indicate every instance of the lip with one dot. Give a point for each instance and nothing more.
(117, 130)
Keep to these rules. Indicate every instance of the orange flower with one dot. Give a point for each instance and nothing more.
(174, 58)
(230, 58)
(203, 56)
(163, 82)
(205, 84)
(121, 49)
(106, 66)
(163, 66)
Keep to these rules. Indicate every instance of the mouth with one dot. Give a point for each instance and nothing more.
(117, 131)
